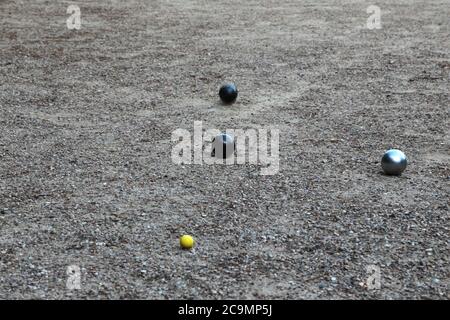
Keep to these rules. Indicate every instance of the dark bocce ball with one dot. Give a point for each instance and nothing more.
(223, 146)
(394, 162)
(228, 93)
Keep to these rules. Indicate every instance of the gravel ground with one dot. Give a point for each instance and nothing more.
(86, 176)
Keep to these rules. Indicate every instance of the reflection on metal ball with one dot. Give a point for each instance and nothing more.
(394, 162)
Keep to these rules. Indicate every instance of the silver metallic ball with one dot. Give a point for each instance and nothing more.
(223, 146)
(394, 162)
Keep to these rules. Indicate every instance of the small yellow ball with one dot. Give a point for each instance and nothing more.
(187, 242)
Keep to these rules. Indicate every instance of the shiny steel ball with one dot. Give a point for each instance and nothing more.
(228, 93)
(223, 146)
(394, 162)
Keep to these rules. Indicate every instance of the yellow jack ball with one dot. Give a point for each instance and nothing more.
(187, 242)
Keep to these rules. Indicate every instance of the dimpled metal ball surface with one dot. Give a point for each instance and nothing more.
(223, 146)
(228, 93)
(394, 162)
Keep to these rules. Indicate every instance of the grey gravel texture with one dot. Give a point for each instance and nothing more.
(86, 176)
